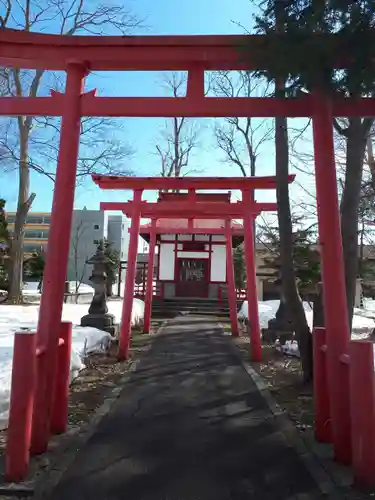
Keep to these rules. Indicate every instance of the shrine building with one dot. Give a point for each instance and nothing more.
(191, 260)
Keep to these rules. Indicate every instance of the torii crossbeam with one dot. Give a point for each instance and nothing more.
(191, 208)
(194, 54)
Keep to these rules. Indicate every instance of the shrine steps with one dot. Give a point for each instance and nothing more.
(170, 308)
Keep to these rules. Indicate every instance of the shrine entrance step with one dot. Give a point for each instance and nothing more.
(189, 424)
(169, 308)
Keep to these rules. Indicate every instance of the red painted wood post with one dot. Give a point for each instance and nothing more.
(143, 281)
(150, 279)
(57, 256)
(230, 279)
(17, 452)
(59, 417)
(335, 306)
(127, 306)
(251, 280)
(362, 409)
(322, 419)
(219, 295)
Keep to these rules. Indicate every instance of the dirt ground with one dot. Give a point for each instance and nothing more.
(87, 393)
(284, 378)
(103, 373)
(283, 375)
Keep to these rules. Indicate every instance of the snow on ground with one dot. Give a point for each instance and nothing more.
(32, 295)
(363, 321)
(369, 305)
(85, 340)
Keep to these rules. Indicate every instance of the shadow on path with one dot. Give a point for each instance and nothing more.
(189, 425)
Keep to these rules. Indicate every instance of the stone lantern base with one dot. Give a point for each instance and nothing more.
(103, 322)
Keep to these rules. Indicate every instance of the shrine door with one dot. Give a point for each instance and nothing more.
(192, 278)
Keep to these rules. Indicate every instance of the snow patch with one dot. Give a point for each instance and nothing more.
(85, 340)
(363, 321)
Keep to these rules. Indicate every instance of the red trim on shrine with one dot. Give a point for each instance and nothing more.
(180, 216)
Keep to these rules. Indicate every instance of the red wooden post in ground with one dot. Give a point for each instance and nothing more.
(230, 279)
(127, 306)
(251, 279)
(59, 417)
(335, 307)
(150, 278)
(362, 408)
(21, 406)
(57, 255)
(322, 422)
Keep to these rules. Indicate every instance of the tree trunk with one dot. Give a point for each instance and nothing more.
(109, 283)
(318, 307)
(361, 250)
(356, 144)
(23, 207)
(288, 279)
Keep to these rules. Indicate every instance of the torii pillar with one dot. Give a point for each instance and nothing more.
(232, 299)
(251, 277)
(127, 306)
(150, 278)
(48, 331)
(334, 293)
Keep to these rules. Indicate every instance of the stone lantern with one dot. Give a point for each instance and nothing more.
(98, 316)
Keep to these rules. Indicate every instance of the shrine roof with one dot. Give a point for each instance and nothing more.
(201, 226)
(215, 224)
(210, 197)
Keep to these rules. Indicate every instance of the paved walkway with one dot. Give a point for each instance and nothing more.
(189, 425)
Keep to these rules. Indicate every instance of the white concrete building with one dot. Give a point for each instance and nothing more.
(192, 265)
(89, 227)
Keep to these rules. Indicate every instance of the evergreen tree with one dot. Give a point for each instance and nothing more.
(239, 267)
(307, 62)
(306, 259)
(343, 35)
(4, 234)
(4, 246)
(34, 267)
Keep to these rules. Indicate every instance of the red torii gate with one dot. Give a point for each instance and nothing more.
(78, 56)
(191, 209)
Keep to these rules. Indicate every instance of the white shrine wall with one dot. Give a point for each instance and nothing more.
(167, 261)
(171, 248)
(218, 264)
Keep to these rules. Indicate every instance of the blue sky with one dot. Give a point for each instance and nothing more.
(164, 17)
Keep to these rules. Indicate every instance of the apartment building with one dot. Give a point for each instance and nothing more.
(89, 227)
(36, 230)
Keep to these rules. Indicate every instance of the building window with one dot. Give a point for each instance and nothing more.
(96, 226)
(96, 242)
(34, 219)
(35, 235)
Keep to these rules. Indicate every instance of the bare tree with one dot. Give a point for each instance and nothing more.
(69, 17)
(241, 139)
(354, 132)
(79, 253)
(288, 275)
(179, 137)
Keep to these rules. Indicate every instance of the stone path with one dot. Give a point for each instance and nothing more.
(189, 425)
